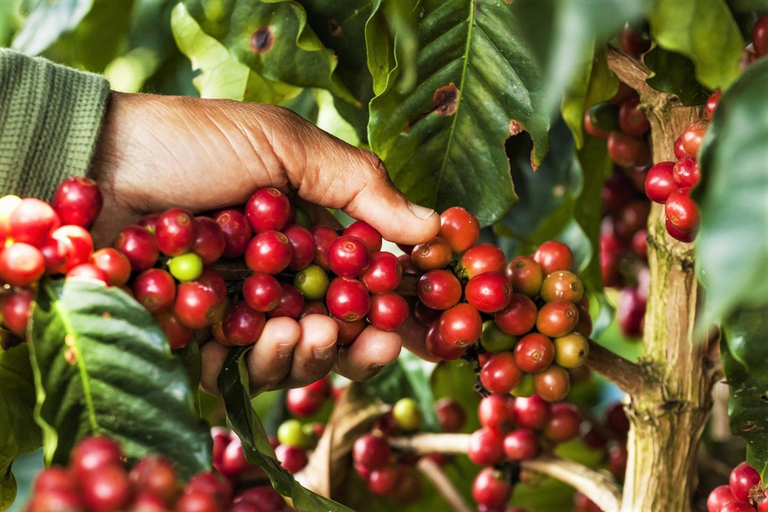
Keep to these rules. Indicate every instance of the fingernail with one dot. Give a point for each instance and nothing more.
(420, 211)
(284, 350)
(323, 353)
(375, 368)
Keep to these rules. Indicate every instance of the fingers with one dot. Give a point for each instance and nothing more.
(315, 352)
(414, 338)
(371, 351)
(270, 360)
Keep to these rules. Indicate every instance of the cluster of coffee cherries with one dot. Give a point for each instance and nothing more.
(97, 480)
(744, 492)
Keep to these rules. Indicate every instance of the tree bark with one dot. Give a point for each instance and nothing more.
(667, 416)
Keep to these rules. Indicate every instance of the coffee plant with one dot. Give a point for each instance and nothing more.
(592, 312)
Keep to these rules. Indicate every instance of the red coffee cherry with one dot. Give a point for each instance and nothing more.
(553, 256)
(78, 201)
(242, 325)
(383, 481)
(178, 335)
(686, 172)
(197, 501)
(557, 318)
(450, 414)
(348, 299)
(532, 412)
(196, 305)
(424, 315)
(461, 325)
(497, 412)
(154, 289)
(439, 289)
(211, 484)
(314, 307)
(489, 292)
(365, 232)
(384, 273)
(262, 292)
(712, 102)
(633, 43)
(107, 490)
(236, 229)
(486, 447)
(269, 252)
(15, 308)
(388, 311)
(483, 258)
(552, 384)
(139, 245)
(175, 232)
(348, 256)
(525, 275)
(291, 303)
(693, 136)
(633, 121)
(267, 209)
(742, 479)
(522, 444)
(303, 247)
(719, 498)
(210, 242)
(439, 348)
(519, 317)
(432, 255)
(679, 149)
(563, 424)
(303, 402)
(156, 475)
(32, 221)
(371, 451)
(682, 211)
(626, 150)
(679, 234)
(562, 285)
(324, 237)
(87, 271)
(490, 489)
(534, 353)
(459, 228)
(114, 263)
(93, 454)
(500, 373)
(21, 264)
(349, 331)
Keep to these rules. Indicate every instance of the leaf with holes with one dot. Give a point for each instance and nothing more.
(99, 358)
(705, 32)
(18, 432)
(272, 38)
(233, 384)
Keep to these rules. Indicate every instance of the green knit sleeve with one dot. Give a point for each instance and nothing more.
(50, 117)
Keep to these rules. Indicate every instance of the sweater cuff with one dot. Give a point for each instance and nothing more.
(50, 118)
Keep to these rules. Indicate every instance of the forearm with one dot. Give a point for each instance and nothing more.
(50, 117)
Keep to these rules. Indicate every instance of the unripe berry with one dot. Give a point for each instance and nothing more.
(571, 350)
(312, 282)
(525, 275)
(407, 414)
(552, 384)
(186, 267)
(494, 339)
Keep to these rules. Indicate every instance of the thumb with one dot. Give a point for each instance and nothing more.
(335, 174)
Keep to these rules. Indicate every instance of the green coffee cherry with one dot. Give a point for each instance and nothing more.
(494, 339)
(291, 433)
(525, 387)
(312, 282)
(302, 217)
(186, 267)
(407, 414)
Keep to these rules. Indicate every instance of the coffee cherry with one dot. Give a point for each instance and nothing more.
(196, 305)
(32, 221)
(630, 311)
(303, 402)
(269, 252)
(107, 490)
(571, 350)
(15, 308)
(154, 289)
(525, 275)
(178, 335)
(519, 317)
(233, 460)
(264, 496)
(632, 120)
(314, 307)
(489, 292)
(563, 424)
(633, 43)
(78, 201)
(291, 303)
(432, 255)
(383, 274)
(21, 264)
(262, 292)
(494, 339)
(459, 228)
(312, 282)
(348, 299)
(552, 384)
(156, 475)
(525, 387)
(760, 36)
(693, 136)
(439, 348)
(592, 129)
(348, 256)
(388, 311)
(532, 412)
(491, 490)
(349, 331)
(407, 414)
(562, 285)
(175, 232)
(54, 479)
(522, 444)
(139, 246)
(682, 211)
(210, 242)
(450, 414)
(211, 484)
(616, 420)
(292, 433)
(439, 289)
(383, 481)
(738, 507)
(557, 318)
(604, 116)
(76, 244)
(114, 263)
(626, 150)
(496, 412)
(500, 373)
(712, 102)
(7, 205)
(719, 498)
(186, 267)
(371, 451)
(632, 217)
(483, 258)
(553, 256)
(742, 479)
(87, 271)
(242, 325)
(686, 172)
(461, 325)
(267, 209)
(324, 237)
(365, 232)
(237, 232)
(640, 243)
(303, 244)
(485, 447)
(422, 314)
(93, 454)
(679, 234)
(534, 353)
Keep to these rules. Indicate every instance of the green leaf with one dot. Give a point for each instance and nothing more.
(408, 376)
(190, 358)
(18, 432)
(233, 383)
(103, 366)
(675, 74)
(47, 21)
(704, 31)
(745, 354)
(392, 42)
(221, 75)
(732, 246)
(273, 39)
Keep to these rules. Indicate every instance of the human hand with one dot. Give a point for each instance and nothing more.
(160, 152)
